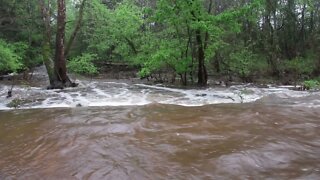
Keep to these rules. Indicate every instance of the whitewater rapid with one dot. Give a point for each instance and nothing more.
(102, 93)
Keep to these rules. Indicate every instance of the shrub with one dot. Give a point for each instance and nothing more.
(83, 64)
(311, 84)
(10, 58)
(245, 63)
(300, 66)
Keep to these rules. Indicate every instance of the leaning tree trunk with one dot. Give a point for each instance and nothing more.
(76, 29)
(46, 50)
(202, 72)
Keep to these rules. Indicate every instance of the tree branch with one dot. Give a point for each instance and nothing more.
(76, 29)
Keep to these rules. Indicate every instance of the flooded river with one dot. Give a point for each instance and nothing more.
(107, 130)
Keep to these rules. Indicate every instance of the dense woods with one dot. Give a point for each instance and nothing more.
(188, 40)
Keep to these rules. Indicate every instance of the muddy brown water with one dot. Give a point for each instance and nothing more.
(230, 141)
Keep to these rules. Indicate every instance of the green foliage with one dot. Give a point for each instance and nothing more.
(300, 66)
(113, 32)
(183, 66)
(83, 64)
(165, 54)
(18, 56)
(311, 84)
(244, 63)
(10, 56)
(29, 56)
(245, 37)
(19, 48)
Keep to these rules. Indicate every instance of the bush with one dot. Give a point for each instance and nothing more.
(10, 57)
(245, 63)
(300, 66)
(83, 64)
(311, 84)
(30, 56)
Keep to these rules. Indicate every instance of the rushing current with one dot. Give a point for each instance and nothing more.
(117, 130)
(101, 93)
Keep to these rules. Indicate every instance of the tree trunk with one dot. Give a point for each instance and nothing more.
(56, 69)
(202, 72)
(271, 36)
(60, 69)
(131, 44)
(290, 37)
(46, 52)
(76, 29)
(302, 33)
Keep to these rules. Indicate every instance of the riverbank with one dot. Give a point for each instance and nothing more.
(128, 74)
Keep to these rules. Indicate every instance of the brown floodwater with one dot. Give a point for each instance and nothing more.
(230, 141)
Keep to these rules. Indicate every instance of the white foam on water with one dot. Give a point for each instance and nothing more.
(96, 93)
(200, 97)
(100, 92)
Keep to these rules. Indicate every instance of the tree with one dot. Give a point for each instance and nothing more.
(60, 67)
(56, 68)
(188, 31)
(19, 23)
(188, 38)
